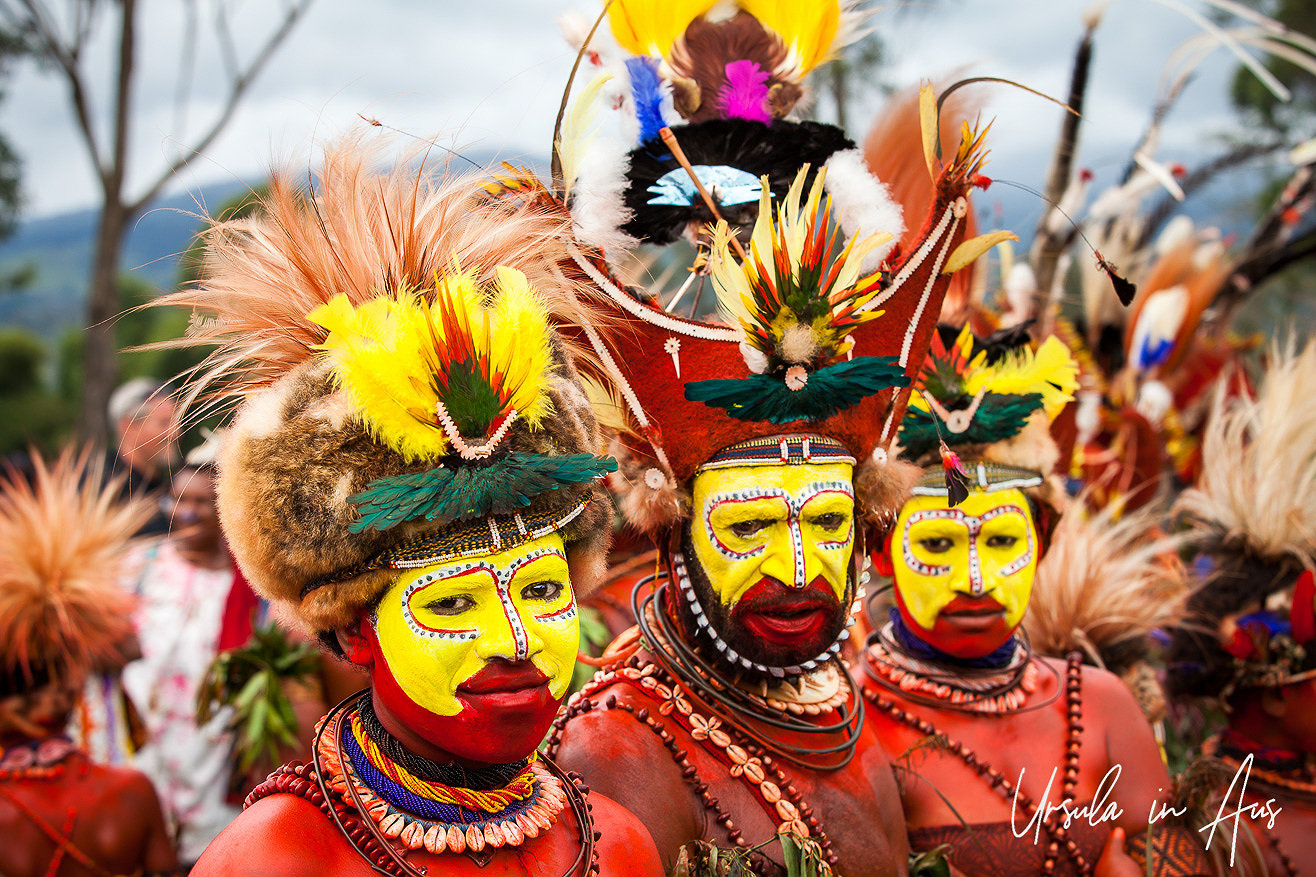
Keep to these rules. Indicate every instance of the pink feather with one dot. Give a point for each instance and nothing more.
(745, 95)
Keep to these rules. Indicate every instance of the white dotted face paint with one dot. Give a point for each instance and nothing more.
(987, 547)
(441, 625)
(791, 523)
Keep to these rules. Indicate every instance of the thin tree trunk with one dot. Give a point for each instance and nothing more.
(100, 366)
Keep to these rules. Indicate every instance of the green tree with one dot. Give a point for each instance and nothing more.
(61, 33)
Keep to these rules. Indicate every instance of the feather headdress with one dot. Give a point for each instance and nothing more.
(1254, 514)
(976, 392)
(394, 336)
(1104, 585)
(64, 538)
(720, 81)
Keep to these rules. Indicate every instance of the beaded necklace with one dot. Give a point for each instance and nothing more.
(745, 760)
(36, 759)
(398, 808)
(1073, 746)
(733, 703)
(1004, 689)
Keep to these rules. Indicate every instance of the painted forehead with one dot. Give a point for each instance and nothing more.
(976, 506)
(793, 482)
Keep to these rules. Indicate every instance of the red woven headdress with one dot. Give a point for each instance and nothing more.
(690, 389)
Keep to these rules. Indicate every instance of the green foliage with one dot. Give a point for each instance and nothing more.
(830, 389)
(21, 357)
(251, 681)
(931, 863)
(803, 857)
(31, 413)
(444, 495)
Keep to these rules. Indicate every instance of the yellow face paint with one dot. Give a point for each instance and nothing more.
(440, 625)
(987, 546)
(793, 523)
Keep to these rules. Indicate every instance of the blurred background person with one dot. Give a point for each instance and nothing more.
(183, 584)
(146, 449)
(63, 538)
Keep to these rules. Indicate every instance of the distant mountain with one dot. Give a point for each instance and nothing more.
(60, 249)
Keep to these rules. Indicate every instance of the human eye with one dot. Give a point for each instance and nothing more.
(831, 521)
(455, 605)
(546, 591)
(746, 529)
(936, 544)
(1002, 540)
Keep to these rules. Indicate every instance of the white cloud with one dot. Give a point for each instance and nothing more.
(490, 74)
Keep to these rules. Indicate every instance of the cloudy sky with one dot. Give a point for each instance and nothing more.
(489, 75)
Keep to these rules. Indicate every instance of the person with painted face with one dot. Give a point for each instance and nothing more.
(1027, 740)
(753, 452)
(413, 476)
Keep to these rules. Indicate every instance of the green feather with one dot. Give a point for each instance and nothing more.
(830, 390)
(444, 496)
(1000, 416)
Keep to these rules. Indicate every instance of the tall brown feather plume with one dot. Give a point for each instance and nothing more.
(1202, 279)
(893, 152)
(361, 233)
(64, 538)
(1256, 495)
(706, 47)
(1104, 585)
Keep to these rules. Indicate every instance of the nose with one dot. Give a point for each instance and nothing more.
(783, 557)
(507, 637)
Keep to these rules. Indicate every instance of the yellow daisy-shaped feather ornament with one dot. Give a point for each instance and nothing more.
(427, 373)
(1051, 372)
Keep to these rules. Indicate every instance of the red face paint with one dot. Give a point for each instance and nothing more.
(507, 709)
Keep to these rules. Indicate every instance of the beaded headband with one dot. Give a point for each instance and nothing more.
(987, 477)
(489, 535)
(791, 450)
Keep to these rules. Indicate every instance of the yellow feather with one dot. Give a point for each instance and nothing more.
(518, 346)
(578, 128)
(969, 251)
(385, 358)
(377, 348)
(930, 123)
(649, 27)
(808, 29)
(1051, 371)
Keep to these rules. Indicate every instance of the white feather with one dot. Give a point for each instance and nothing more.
(864, 204)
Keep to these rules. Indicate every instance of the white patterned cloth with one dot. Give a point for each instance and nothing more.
(178, 623)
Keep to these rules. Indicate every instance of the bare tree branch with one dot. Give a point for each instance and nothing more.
(1272, 246)
(237, 88)
(66, 58)
(1168, 205)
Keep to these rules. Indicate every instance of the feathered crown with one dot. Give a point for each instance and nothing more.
(812, 364)
(711, 85)
(64, 538)
(990, 402)
(407, 398)
(1254, 514)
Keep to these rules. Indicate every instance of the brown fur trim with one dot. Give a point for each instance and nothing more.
(880, 489)
(648, 508)
(293, 458)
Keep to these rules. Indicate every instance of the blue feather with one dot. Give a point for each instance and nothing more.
(647, 92)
